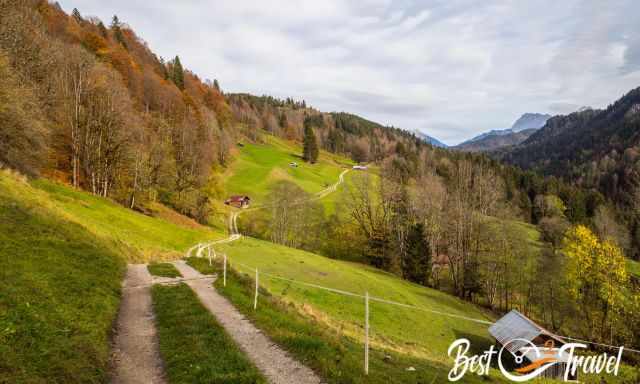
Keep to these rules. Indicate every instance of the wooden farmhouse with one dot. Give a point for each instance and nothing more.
(519, 334)
(239, 201)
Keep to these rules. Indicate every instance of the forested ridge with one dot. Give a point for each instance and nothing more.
(90, 105)
(596, 150)
(94, 107)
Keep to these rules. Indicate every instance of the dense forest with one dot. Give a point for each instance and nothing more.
(596, 150)
(90, 105)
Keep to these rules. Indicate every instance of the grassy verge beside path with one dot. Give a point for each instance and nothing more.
(163, 270)
(334, 356)
(194, 347)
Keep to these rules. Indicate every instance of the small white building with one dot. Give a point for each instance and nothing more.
(360, 167)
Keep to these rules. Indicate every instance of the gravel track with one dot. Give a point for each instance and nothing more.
(274, 363)
(135, 356)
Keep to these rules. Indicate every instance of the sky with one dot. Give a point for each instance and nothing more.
(450, 69)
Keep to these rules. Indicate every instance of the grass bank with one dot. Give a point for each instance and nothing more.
(429, 335)
(336, 357)
(60, 291)
(194, 347)
(147, 238)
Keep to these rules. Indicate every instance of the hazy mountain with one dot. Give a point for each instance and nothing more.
(499, 138)
(430, 139)
(493, 141)
(529, 121)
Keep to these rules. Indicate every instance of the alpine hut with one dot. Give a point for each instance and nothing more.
(239, 201)
(527, 340)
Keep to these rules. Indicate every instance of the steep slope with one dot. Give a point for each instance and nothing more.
(594, 149)
(519, 132)
(60, 291)
(63, 253)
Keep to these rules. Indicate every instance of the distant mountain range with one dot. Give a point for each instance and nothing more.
(524, 127)
(430, 139)
(593, 148)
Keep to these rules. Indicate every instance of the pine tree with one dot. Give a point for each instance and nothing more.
(117, 31)
(310, 145)
(416, 264)
(216, 84)
(102, 29)
(178, 73)
(76, 15)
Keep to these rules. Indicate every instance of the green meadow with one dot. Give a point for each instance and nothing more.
(147, 238)
(429, 334)
(257, 167)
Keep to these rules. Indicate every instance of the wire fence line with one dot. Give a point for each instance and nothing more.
(361, 296)
(252, 269)
(235, 235)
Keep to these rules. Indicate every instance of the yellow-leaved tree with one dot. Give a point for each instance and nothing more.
(597, 280)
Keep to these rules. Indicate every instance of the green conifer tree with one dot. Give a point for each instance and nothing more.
(117, 31)
(76, 15)
(416, 264)
(310, 145)
(178, 73)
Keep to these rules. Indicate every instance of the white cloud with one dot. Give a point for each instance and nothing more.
(449, 68)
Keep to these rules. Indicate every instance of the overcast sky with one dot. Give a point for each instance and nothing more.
(451, 69)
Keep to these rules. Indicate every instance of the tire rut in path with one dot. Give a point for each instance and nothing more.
(277, 366)
(135, 357)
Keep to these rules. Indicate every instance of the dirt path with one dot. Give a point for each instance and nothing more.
(271, 360)
(135, 356)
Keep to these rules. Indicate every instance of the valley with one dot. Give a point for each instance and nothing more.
(155, 227)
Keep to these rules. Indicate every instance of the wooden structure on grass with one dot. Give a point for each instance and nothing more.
(527, 340)
(238, 201)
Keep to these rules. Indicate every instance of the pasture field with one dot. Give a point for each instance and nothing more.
(257, 167)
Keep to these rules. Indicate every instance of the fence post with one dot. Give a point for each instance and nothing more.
(209, 254)
(224, 271)
(366, 333)
(255, 299)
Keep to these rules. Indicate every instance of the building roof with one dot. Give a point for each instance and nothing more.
(515, 325)
(238, 198)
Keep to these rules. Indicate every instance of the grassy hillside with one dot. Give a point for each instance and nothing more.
(147, 238)
(257, 167)
(633, 267)
(60, 291)
(63, 254)
(429, 335)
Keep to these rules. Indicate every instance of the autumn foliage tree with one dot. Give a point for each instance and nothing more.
(597, 279)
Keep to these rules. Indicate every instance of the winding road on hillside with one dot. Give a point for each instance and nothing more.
(135, 356)
(234, 233)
